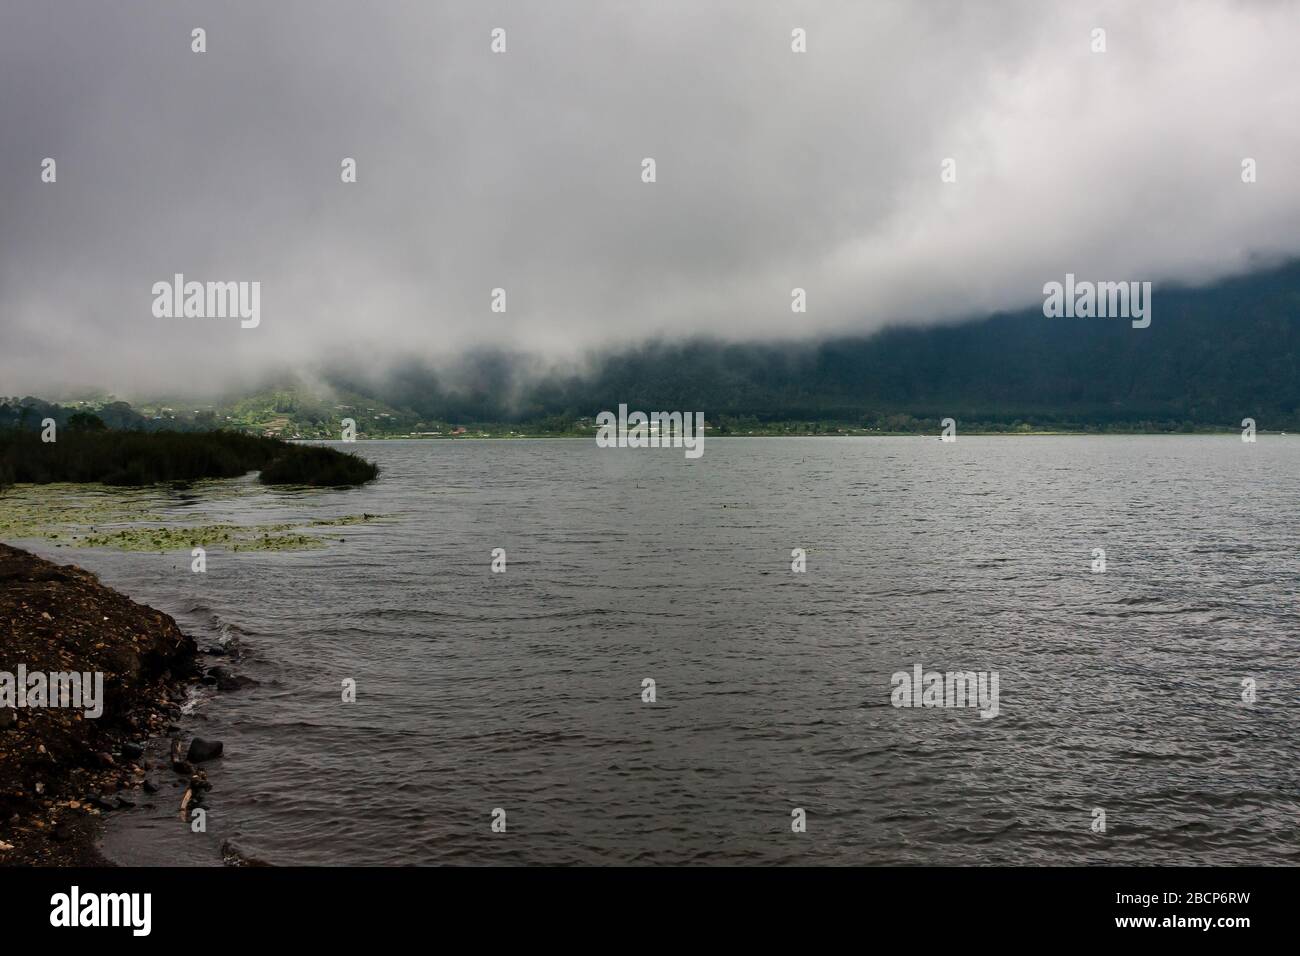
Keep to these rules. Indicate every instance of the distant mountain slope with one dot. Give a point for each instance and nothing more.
(1210, 356)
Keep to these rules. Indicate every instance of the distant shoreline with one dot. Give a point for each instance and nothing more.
(927, 435)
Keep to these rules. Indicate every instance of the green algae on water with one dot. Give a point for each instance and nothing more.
(89, 516)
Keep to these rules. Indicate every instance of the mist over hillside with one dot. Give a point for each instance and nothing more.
(1210, 357)
(917, 164)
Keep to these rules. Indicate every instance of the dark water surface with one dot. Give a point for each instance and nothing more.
(1120, 691)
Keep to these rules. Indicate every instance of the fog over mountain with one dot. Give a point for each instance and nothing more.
(523, 170)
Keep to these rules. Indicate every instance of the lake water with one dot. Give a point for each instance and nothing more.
(1120, 691)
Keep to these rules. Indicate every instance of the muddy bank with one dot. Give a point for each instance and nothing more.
(61, 768)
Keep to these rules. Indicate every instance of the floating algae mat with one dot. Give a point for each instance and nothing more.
(95, 516)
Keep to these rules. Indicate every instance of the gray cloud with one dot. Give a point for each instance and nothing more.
(522, 171)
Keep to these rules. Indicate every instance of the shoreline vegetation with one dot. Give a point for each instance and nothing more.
(61, 768)
(85, 451)
(1219, 433)
(296, 414)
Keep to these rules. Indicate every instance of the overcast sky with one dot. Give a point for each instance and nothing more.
(522, 170)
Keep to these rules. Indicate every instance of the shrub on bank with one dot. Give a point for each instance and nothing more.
(314, 465)
(145, 458)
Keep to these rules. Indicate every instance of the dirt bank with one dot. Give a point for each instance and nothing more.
(60, 768)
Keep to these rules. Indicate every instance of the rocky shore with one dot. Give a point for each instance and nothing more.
(61, 768)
